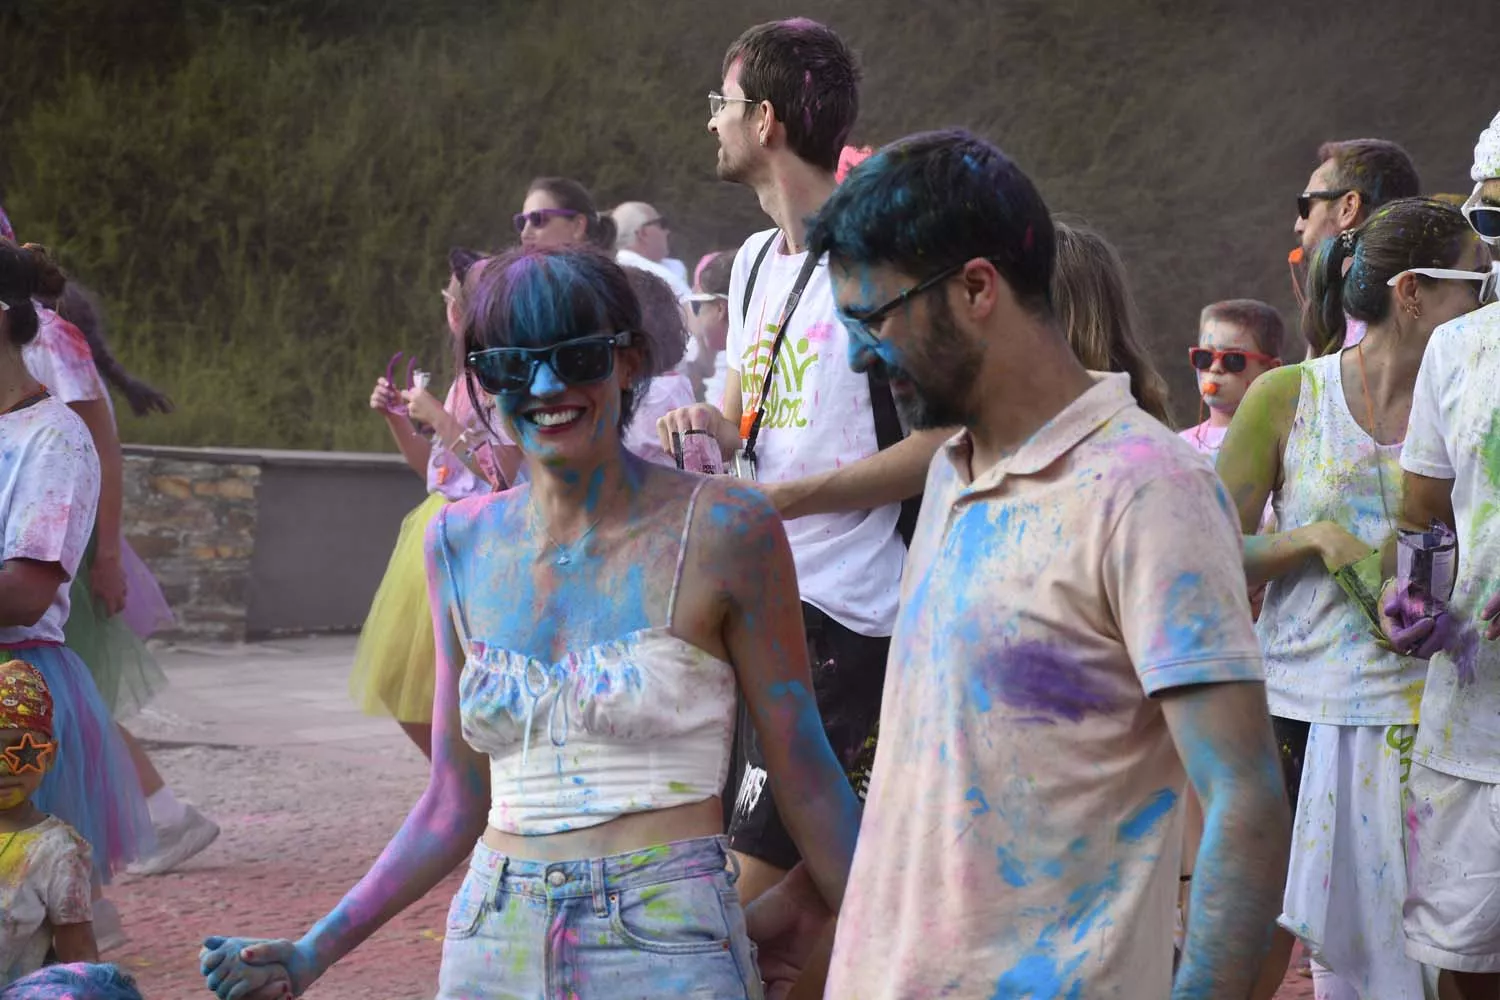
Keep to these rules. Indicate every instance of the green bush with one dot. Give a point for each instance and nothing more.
(263, 194)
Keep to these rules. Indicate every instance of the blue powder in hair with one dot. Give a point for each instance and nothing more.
(74, 981)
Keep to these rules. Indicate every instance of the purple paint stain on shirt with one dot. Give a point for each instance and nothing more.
(1034, 677)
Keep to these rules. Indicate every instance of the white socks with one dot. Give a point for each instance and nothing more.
(165, 808)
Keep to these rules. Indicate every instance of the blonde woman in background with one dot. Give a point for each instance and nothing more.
(1092, 297)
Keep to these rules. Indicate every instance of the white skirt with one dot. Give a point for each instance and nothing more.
(1346, 881)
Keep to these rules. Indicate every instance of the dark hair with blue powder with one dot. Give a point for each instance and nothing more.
(536, 298)
(74, 981)
(1407, 233)
(935, 200)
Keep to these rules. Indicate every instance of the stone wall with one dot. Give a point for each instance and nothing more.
(248, 544)
(192, 519)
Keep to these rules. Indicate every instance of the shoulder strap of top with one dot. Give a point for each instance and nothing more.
(457, 607)
(682, 547)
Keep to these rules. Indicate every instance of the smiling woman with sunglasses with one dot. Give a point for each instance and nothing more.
(592, 628)
(1323, 439)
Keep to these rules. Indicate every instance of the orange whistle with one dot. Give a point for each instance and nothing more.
(747, 421)
(1295, 257)
(1212, 389)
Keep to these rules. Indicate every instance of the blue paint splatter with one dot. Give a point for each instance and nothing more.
(1144, 820)
(1011, 868)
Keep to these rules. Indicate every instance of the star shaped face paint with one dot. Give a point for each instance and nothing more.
(29, 755)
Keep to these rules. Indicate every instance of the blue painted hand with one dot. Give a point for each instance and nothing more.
(254, 968)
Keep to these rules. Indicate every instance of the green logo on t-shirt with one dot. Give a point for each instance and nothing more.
(785, 403)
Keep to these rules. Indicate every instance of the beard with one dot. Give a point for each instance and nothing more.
(934, 381)
(728, 170)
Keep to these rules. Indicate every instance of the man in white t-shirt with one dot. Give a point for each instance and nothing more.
(1452, 463)
(641, 242)
(790, 97)
(1074, 635)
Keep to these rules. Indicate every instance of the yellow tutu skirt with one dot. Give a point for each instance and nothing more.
(395, 663)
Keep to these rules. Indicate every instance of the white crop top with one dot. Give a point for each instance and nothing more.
(628, 725)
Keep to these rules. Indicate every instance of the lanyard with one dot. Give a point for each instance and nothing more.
(750, 422)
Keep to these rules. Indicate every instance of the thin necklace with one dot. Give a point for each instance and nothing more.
(563, 559)
(1364, 380)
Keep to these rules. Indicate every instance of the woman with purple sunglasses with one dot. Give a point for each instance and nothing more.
(559, 212)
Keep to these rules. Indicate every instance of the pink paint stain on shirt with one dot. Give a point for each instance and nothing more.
(819, 333)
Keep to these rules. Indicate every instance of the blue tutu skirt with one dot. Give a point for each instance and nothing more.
(92, 784)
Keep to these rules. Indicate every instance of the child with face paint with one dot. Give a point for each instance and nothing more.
(1239, 340)
(393, 671)
(49, 488)
(593, 626)
(44, 863)
(1322, 439)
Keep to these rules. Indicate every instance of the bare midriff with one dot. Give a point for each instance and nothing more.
(623, 835)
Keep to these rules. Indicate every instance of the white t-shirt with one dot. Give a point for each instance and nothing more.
(818, 418)
(49, 493)
(1455, 434)
(59, 357)
(629, 258)
(44, 883)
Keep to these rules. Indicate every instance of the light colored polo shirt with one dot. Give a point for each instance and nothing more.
(1022, 832)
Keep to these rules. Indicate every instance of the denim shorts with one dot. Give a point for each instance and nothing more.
(661, 922)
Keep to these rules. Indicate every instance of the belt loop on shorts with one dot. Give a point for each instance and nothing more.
(497, 880)
(596, 883)
(732, 861)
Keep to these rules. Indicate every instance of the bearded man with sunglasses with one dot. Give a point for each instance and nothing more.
(1354, 177)
(802, 424)
(1451, 474)
(1061, 654)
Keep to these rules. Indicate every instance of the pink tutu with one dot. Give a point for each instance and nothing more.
(146, 609)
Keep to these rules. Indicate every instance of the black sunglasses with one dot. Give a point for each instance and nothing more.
(540, 217)
(660, 220)
(698, 304)
(867, 324)
(1306, 198)
(510, 370)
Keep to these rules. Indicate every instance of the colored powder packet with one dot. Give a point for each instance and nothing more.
(1362, 580)
(1426, 568)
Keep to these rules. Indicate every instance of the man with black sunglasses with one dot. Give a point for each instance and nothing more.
(1074, 633)
(814, 432)
(1354, 177)
(641, 242)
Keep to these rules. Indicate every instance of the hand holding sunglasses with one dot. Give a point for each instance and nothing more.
(1234, 360)
(510, 370)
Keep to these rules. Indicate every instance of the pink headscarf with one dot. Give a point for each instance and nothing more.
(5, 229)
(851, 157)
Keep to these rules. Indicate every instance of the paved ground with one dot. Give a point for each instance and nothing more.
(308, 791)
